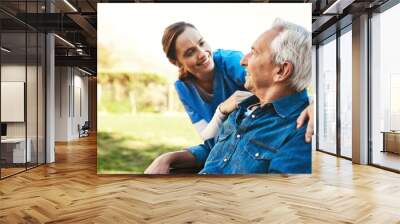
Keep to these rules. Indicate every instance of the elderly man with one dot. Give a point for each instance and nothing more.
(260, 134)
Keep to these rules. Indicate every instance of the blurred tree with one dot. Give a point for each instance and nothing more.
(132, 92)
(106, 58)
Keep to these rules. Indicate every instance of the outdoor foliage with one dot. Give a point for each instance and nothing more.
(128, 144)
(135, 92)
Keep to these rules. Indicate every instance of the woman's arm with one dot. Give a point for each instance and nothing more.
(199, 123)
(222, 111)
(211, 129)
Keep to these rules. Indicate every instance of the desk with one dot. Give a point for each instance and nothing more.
(16, 147)
(391, 141)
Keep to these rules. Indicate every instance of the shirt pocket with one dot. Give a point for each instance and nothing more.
(265, 145)
(258, 149)
(257, 157)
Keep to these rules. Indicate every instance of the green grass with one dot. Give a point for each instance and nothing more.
(129, 143)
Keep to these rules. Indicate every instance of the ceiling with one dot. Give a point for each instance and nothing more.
(76, 22)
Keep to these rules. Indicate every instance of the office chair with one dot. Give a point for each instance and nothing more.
(84, 130)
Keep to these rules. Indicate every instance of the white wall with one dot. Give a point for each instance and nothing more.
(13, 72)
(71, 94)
(62, 81)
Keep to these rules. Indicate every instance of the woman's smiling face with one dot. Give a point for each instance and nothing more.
(194, 54)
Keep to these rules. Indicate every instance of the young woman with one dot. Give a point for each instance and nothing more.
(207, 79)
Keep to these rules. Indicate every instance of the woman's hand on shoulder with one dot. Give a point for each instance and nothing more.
(307, 114)
(233, 101)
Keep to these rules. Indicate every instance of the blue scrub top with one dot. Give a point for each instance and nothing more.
(229, 76)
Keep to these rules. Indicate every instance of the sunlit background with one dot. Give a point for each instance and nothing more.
(139, 113)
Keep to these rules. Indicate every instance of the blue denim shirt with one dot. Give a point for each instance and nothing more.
(265, 141)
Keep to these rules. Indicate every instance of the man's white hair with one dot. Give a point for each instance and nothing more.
(293, 44)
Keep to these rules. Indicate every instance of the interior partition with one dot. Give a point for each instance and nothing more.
(22, 77)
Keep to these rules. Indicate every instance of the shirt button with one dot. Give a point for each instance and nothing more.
(253, 116)
(237, 136)
(225, 159)
(257, 154)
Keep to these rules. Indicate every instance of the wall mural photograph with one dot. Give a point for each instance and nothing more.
(189, 92)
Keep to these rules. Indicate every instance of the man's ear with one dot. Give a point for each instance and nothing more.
(284, 71)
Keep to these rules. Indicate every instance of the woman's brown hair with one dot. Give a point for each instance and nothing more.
(168, 41)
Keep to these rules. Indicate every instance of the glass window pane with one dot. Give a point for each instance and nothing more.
(41, 98)
(327, 97)
(385, 89)
(23, 86)
(311, 90)
(346, 94)
(31, 96)
(14, 153)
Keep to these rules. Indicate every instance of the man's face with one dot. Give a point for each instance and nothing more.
(260, 69)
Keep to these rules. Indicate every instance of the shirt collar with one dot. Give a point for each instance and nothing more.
(283, 106)
(249, 101)
(287, 105)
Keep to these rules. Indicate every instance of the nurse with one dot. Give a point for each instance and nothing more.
(209, 83)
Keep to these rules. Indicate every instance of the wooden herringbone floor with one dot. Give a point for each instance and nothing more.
(70, 191)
